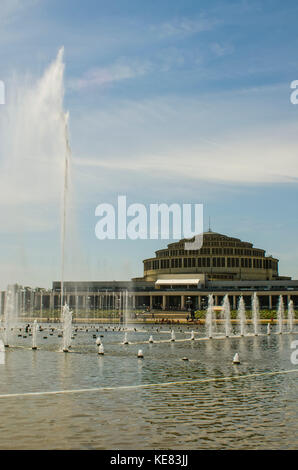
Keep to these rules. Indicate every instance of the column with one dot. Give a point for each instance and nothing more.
(164, 302)
(151, 298)
(199, 302)
(270, 302)
(182, 303)
(234, 302)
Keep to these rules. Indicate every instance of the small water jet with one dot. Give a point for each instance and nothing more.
(67, 328)
(241, 316)
(2, 352)
(10, 314)
(255, 313)
(227, 316)
(192, 335)
(34, 334)
(210, 317)
(173, 336)
(101, 350)
(268, 329)
(280, 314)
(125, 341)
(291, 316)
(151, 339)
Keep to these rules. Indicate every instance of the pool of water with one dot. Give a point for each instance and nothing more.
(209, 407)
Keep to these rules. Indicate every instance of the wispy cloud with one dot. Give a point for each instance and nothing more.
(10, 9)
(123, 69)
(182, 27)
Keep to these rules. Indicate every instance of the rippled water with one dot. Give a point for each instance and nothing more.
(247, 413)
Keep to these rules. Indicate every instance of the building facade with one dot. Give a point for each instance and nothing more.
(220, 258)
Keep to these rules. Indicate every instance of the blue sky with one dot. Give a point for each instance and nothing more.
(169, 101)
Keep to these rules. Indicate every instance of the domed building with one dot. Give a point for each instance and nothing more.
(220, 258)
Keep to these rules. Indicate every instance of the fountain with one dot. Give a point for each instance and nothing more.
(2, 352)
(34, 334)
(67, 328)
(241, 316)
(210, 320)
(173, 337)
(10, 313)
(268, 329)
(291, 316)
(125, 341)
(192, 335)
(227, 316)
(151, 339)
(255, 313)
(280, 314)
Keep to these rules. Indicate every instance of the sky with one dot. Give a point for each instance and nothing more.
(169, 102)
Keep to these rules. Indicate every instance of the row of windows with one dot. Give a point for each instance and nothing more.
(213, 251)
(219, 262)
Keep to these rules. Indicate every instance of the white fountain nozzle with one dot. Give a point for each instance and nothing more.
(98, 342)
(236, 359)
(101, 350)
(140, 354)
(151, 339)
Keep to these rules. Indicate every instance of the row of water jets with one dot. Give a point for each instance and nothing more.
(212, 326)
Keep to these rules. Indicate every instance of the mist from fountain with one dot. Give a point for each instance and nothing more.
(227, 315)
(241, 316)
(255, 313)
(280, 314)
(210, 318)
(67, 327)
(291, 316)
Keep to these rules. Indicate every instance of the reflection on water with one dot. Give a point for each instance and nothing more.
(251, 413)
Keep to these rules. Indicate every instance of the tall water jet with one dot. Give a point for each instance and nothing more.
(67, 327)
(34, 334)
(227, 315)
(280, 314)
(255, 313)
(32, 144)
(291, 316)
(210, 320)
(241, 316)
